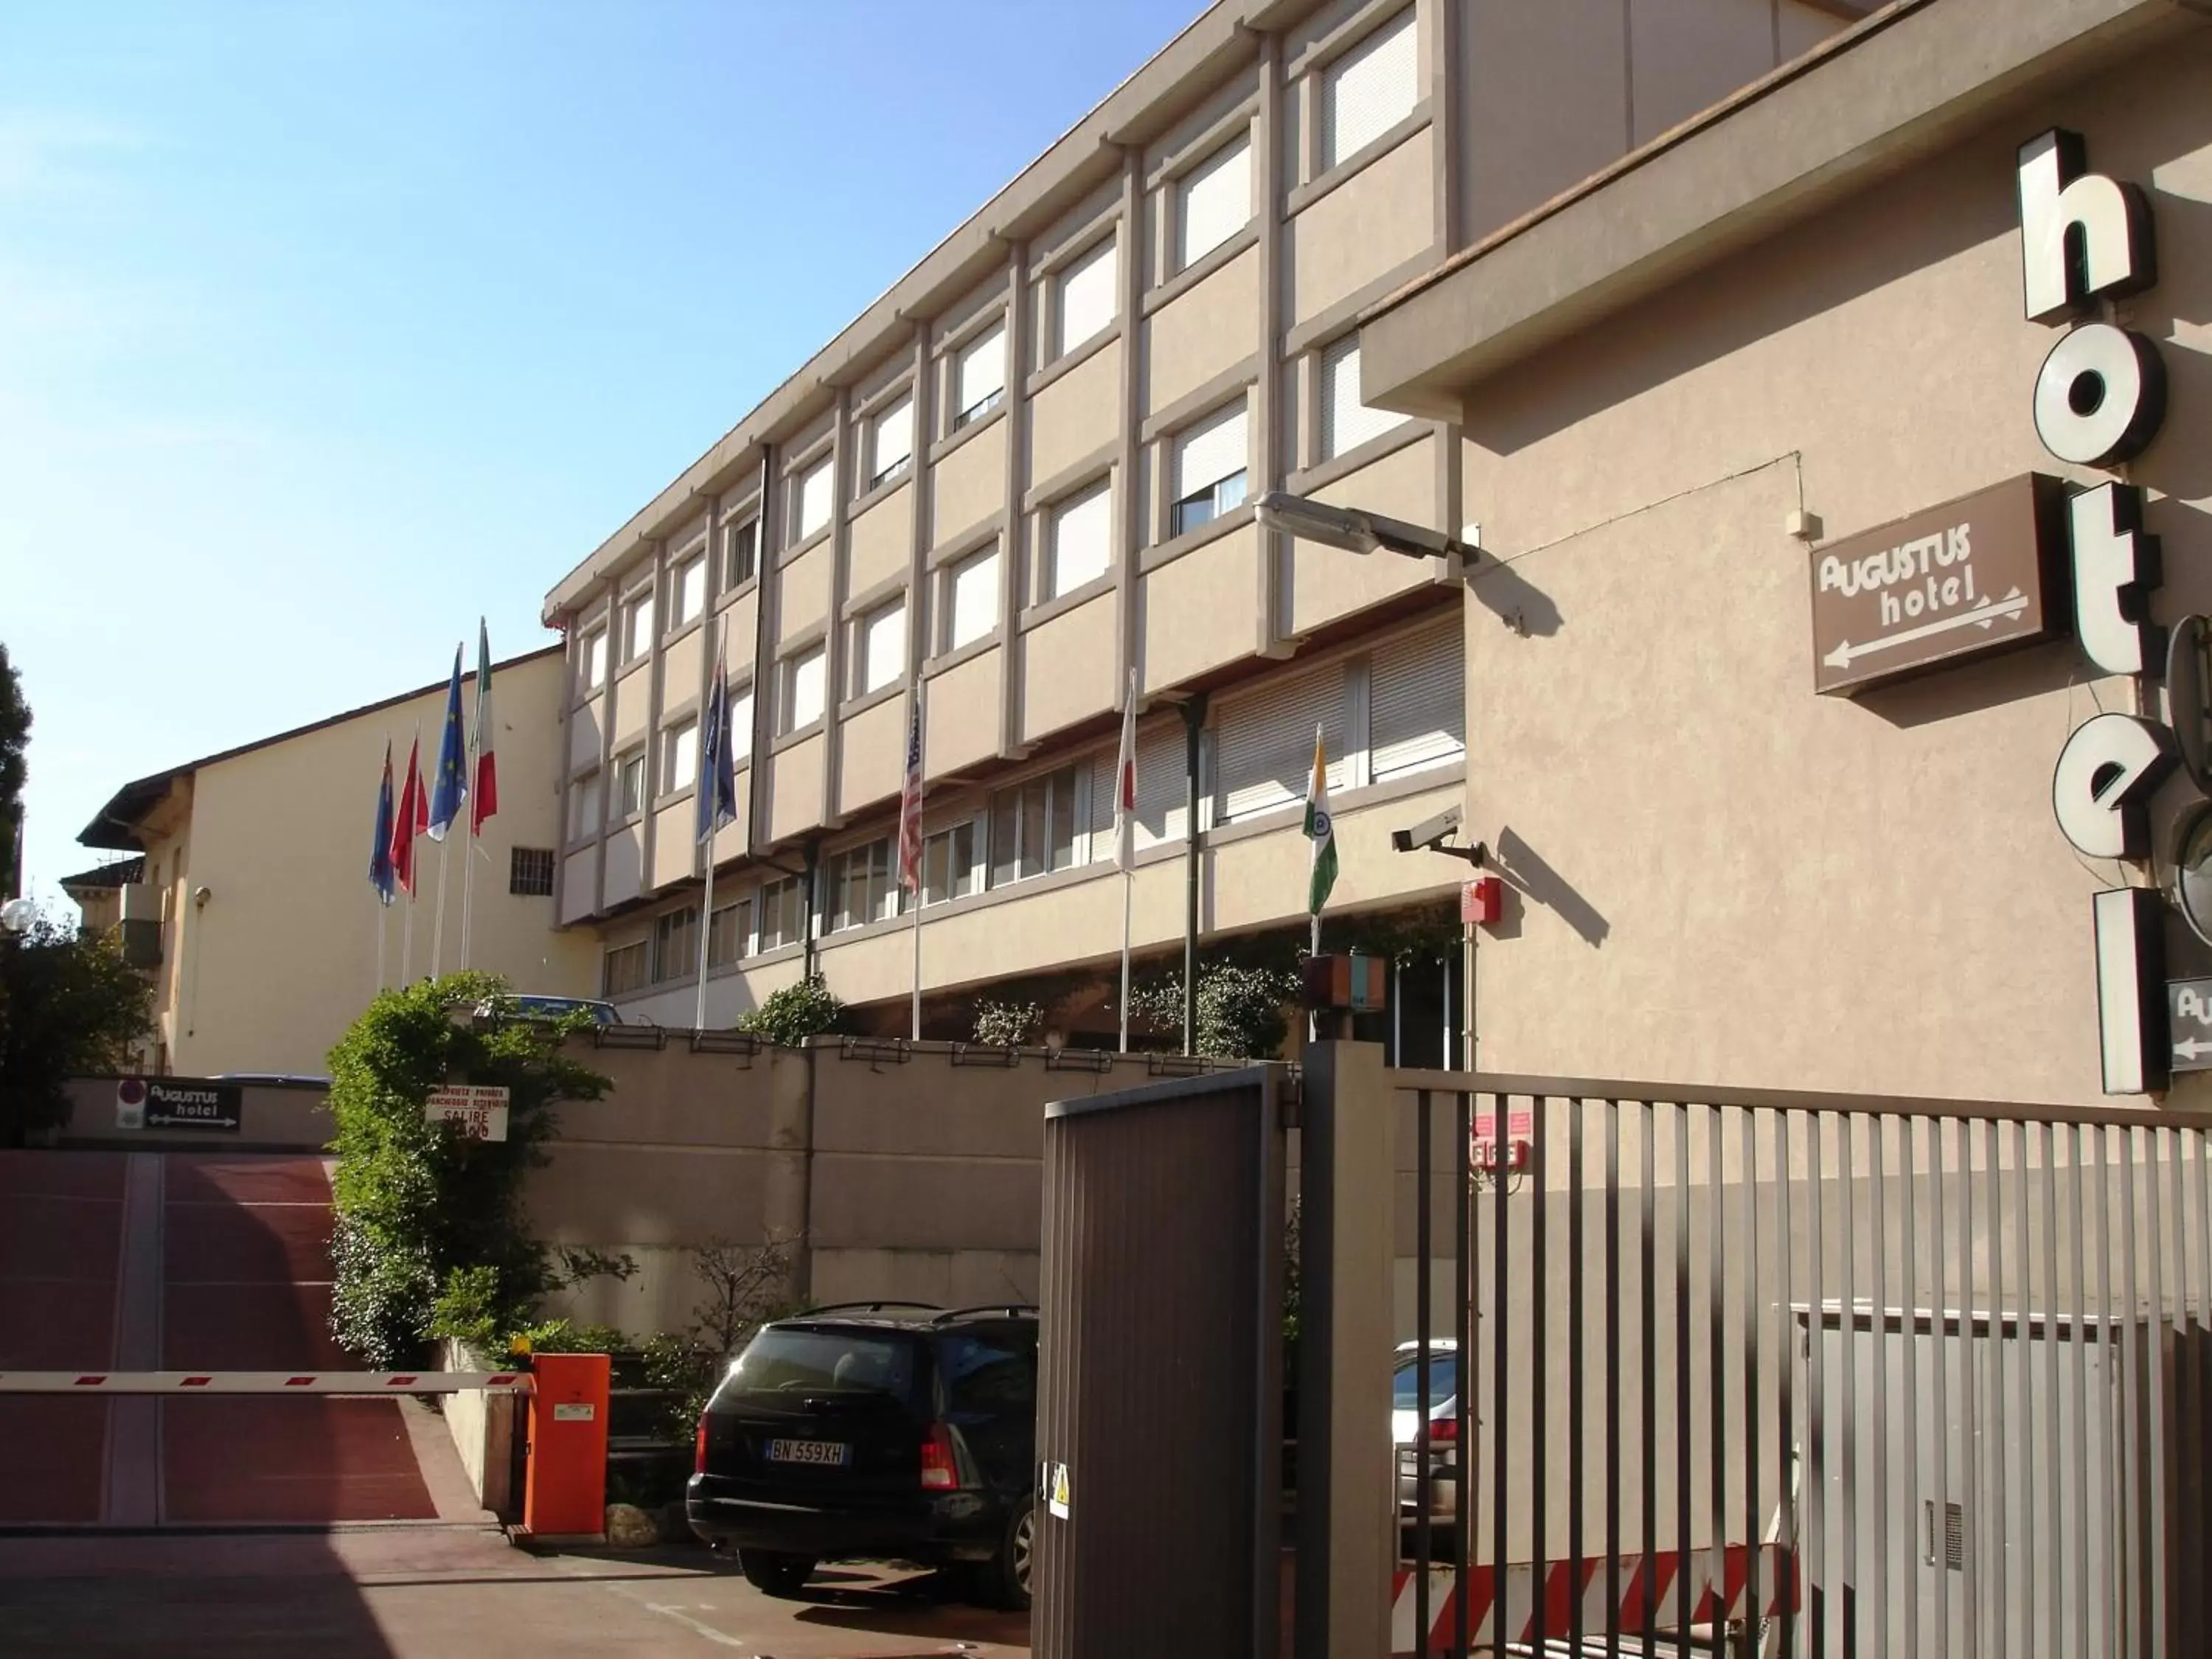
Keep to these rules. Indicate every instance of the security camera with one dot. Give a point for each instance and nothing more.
(1430, 834)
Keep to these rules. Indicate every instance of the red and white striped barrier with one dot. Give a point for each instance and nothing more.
(353, 1383)
(1694, 1595)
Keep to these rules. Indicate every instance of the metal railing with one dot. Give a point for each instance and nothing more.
(1793, 1374)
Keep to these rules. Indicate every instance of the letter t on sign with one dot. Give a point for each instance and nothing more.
(2116, 565)
(2131, 1022)
(2082, 234)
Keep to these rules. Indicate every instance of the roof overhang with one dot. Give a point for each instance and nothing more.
(1867, 102)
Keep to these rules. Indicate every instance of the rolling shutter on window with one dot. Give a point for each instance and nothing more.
(1162, 807)
(1216, 202)
(1212, 452)
(814, 500)
(1080, 540)
(1345, 422)
(975, 598)
(983, 369)
(1086, 295)
(894, 436)
(1266, 743)
(1369, 90)
(1418, 699)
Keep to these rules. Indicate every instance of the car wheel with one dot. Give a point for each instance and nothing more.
(1005, 1576)
(775, 1573)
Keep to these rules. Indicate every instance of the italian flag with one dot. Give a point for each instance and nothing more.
(483, 795)
(1320, 831)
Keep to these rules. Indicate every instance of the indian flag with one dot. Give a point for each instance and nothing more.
(1320, 831)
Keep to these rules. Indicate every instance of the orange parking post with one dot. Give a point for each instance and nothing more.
(565, 1486)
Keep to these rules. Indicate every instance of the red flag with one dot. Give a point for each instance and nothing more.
(410, 821)
(910, 833)
(484, 794)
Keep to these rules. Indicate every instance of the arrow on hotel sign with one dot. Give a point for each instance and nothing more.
(2189, 1009)
(1982, 615)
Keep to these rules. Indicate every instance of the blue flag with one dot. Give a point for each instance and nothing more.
(452, 788)
(381, 876)
(718, 773)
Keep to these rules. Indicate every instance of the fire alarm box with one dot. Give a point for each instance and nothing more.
(1481, 902)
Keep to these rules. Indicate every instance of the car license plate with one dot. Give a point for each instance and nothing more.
(832, 1452)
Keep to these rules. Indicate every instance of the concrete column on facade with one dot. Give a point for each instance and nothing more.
(656, 700)
(1267, 468)
(710, 637)
(922, 472)
(611, 603)
(1446, 41)
(1347, 1497)
(1128, 508)
(1013, 552)
(768, 543)
(842, 448)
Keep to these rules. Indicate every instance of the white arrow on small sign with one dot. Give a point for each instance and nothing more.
(1982, 615)
(2189, 1016)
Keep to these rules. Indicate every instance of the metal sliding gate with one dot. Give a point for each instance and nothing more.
(1790, 1374)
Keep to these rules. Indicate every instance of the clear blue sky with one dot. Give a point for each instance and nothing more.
(324, 329)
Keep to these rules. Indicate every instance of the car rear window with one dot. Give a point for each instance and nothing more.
(783, 1361)
(1406, 1386)
(988, 1371)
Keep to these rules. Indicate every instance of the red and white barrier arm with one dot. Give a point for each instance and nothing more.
(185, 1382)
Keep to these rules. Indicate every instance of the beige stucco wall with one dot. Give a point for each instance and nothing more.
(283, 955)
(1727, 878)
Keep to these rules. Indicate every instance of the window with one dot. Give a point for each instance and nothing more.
(591, 670)
(890, 442)
(1416, 702)
(1033, 827)
(1086, 300)
(799, 691)
(1209, 470)
(740, 551)
(687, 590)
(950, 869)
(679, 756)
(814, 499)
(637, 626)
(1163, 802)
(1369, 90)
(629, 784)
(1081, 543)
(741, 724)
(860, 886)
(980, 377)
(729, 932)
(1213, 201)
(971, 598)
(676, 944)
(1266, 743)
(584, 807)
(623, 968)
(530, 871)
(1345, 422)
(878, 647)
(782, 914)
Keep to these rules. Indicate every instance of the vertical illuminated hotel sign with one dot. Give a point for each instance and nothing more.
(2099, 399)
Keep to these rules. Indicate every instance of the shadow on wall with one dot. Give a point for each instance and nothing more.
(1514, 601)
(1530, 880)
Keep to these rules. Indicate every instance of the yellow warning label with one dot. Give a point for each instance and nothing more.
(1059, 1502)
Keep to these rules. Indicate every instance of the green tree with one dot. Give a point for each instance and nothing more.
(1240, 1007)
(795, 1013)
(14, 736)
(70, 1007)
(422, 1210)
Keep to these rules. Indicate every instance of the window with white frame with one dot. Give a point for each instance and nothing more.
(860, 888)
(687, 590)
(890, 442)
(971, 598)
(1084, 296)
(878, 647)
(782, 912)
(625, 967)
(637, 625)
(629, 783)
(584, 806)
(1213, 201)
(679, 756)
(950, 868)
(1369, 90)
(1033, 825)
(740, 551)
(1209, 471)
(1346, 423)
(1265, 742)
(592, 660)
(798, 694)
(741, 723)
(1080, 545)
(729, 934)
(814, 498)
(979, 376)
(1416, 702)
(676, 944)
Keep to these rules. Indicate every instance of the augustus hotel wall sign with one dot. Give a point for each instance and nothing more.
(2028, 560)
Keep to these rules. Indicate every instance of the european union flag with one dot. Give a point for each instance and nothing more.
(381, 875)
(452, 785)
(718, 780)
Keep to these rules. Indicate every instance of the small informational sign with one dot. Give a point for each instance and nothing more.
(575, 1412)
(1980, 575)
(142, 1102)
(2189, 1023)
(477, 1110)
(1059, 1502)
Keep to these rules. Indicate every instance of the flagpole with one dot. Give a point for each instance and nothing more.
(713, 735)
(468, 862)
(706, 932)
(383, 917)
(407, 922)
(438, 926)
(920, 798)
(1128, 890)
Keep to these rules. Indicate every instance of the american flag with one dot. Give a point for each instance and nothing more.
(909, 841)
(1124, 785)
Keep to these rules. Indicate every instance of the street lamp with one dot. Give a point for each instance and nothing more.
(1356, 530)
(16, 916)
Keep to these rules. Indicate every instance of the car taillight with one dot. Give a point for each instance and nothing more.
(938, 1470)
(698, 1450)
(1442, 1430)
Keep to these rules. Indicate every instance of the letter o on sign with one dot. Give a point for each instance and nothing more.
(2100, 395)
